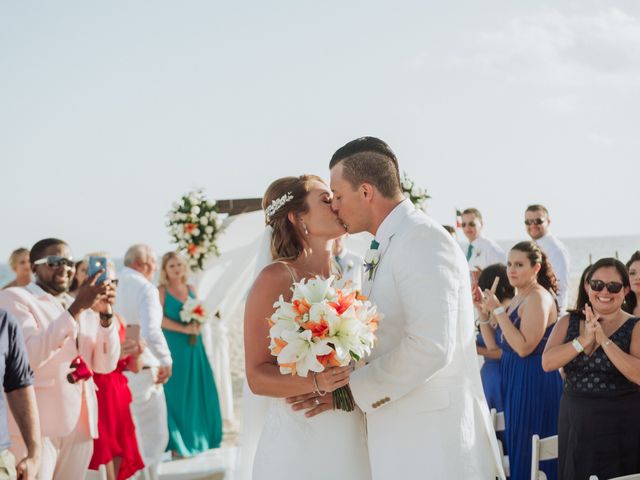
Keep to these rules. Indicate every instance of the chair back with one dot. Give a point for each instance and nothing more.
(542, 449)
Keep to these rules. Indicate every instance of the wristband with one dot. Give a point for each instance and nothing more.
(606, 343)
(577, 345)
(317, 389)
(499, 310)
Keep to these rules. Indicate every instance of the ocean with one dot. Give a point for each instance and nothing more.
(582, 252)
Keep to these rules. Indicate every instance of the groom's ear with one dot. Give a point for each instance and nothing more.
(367, 191)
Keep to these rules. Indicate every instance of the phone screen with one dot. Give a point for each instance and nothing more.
(95, 265)
(133, 332)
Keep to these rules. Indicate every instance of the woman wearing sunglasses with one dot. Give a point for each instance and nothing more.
(598, 347)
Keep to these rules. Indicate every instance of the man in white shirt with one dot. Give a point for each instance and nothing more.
(537, 221)
(349, 264)
(481, 252)
(138, 301)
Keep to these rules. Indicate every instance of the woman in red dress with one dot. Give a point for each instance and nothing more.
(116, 445)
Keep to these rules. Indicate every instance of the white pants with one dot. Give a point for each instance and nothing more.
(149, 410)
(63, 458)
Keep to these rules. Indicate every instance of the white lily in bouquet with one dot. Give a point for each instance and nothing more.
(193, 311)
(322, 326)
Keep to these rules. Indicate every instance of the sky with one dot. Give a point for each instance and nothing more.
(110, 111)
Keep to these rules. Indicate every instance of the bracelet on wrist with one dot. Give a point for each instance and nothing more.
(606, 343)
(317, 390)
(577, 345)
(497, 311)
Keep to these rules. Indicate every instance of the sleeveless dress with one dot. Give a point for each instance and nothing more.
(116, 430)
(531, 399)
(193, 408)
(491, 380)
(599, 425)
(331, 445)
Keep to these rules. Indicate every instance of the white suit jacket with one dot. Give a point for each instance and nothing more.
(427, 416)
(50, 337)
(138, 301)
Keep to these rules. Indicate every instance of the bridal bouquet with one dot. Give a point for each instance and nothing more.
(194, 224)
(322, 326)
(193, 311)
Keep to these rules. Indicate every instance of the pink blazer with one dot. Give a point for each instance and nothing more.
(49, 332)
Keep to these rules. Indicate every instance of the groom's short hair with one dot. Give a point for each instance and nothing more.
(369, 160)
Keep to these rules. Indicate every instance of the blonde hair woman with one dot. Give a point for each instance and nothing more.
(193, 408)
(20, 264)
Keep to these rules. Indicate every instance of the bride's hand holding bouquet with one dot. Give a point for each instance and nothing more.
(322, 330)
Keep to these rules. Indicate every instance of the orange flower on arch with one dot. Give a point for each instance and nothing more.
(189, 228)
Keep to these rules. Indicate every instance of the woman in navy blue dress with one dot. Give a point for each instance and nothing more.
(490, 371)
(531, 396)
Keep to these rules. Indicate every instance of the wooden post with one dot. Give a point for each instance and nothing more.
(237, 206)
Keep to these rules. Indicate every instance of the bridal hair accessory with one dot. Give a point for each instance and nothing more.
(276, 205)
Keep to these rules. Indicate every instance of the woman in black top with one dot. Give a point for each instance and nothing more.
(598, 347)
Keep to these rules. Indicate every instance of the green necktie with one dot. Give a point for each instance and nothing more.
(469, 251)
(374, 245)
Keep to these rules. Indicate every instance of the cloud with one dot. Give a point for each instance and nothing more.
(561, 49)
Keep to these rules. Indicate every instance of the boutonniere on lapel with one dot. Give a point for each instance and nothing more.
(350, 265)
(478, 253)
(371, 261)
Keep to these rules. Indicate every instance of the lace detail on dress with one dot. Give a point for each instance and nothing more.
(595, 373)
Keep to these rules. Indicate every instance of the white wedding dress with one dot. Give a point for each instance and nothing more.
(331, 445)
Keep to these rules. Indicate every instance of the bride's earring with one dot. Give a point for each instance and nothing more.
(304, 229)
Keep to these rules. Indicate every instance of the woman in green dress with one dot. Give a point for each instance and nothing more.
(195, 422)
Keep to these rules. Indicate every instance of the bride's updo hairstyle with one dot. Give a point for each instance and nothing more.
(287, 194)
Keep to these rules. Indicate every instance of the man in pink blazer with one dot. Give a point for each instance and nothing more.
(56, 329)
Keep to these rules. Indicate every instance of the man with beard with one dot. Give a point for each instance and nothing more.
(59, 330)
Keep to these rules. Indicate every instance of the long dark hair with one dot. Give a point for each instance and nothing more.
(488, 275)
(631, 300)
(546, 277)
(587, 275)
(583, 297)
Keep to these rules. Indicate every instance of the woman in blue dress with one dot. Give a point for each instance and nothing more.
(195, 421)
(531, 396)
(490, 371)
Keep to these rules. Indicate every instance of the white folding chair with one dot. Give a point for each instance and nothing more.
(497, 420)
(100, 474)
(542, 449)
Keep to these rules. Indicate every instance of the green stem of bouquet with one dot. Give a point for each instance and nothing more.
(343, 399)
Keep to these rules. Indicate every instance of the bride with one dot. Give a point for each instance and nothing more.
(293, 445)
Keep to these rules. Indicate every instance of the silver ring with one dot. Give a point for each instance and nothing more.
(317, 401)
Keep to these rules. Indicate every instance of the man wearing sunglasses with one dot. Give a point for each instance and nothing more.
(57, 330)
(537, 221)
(481, 252)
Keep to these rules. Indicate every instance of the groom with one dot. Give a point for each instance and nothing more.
(421, 391)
